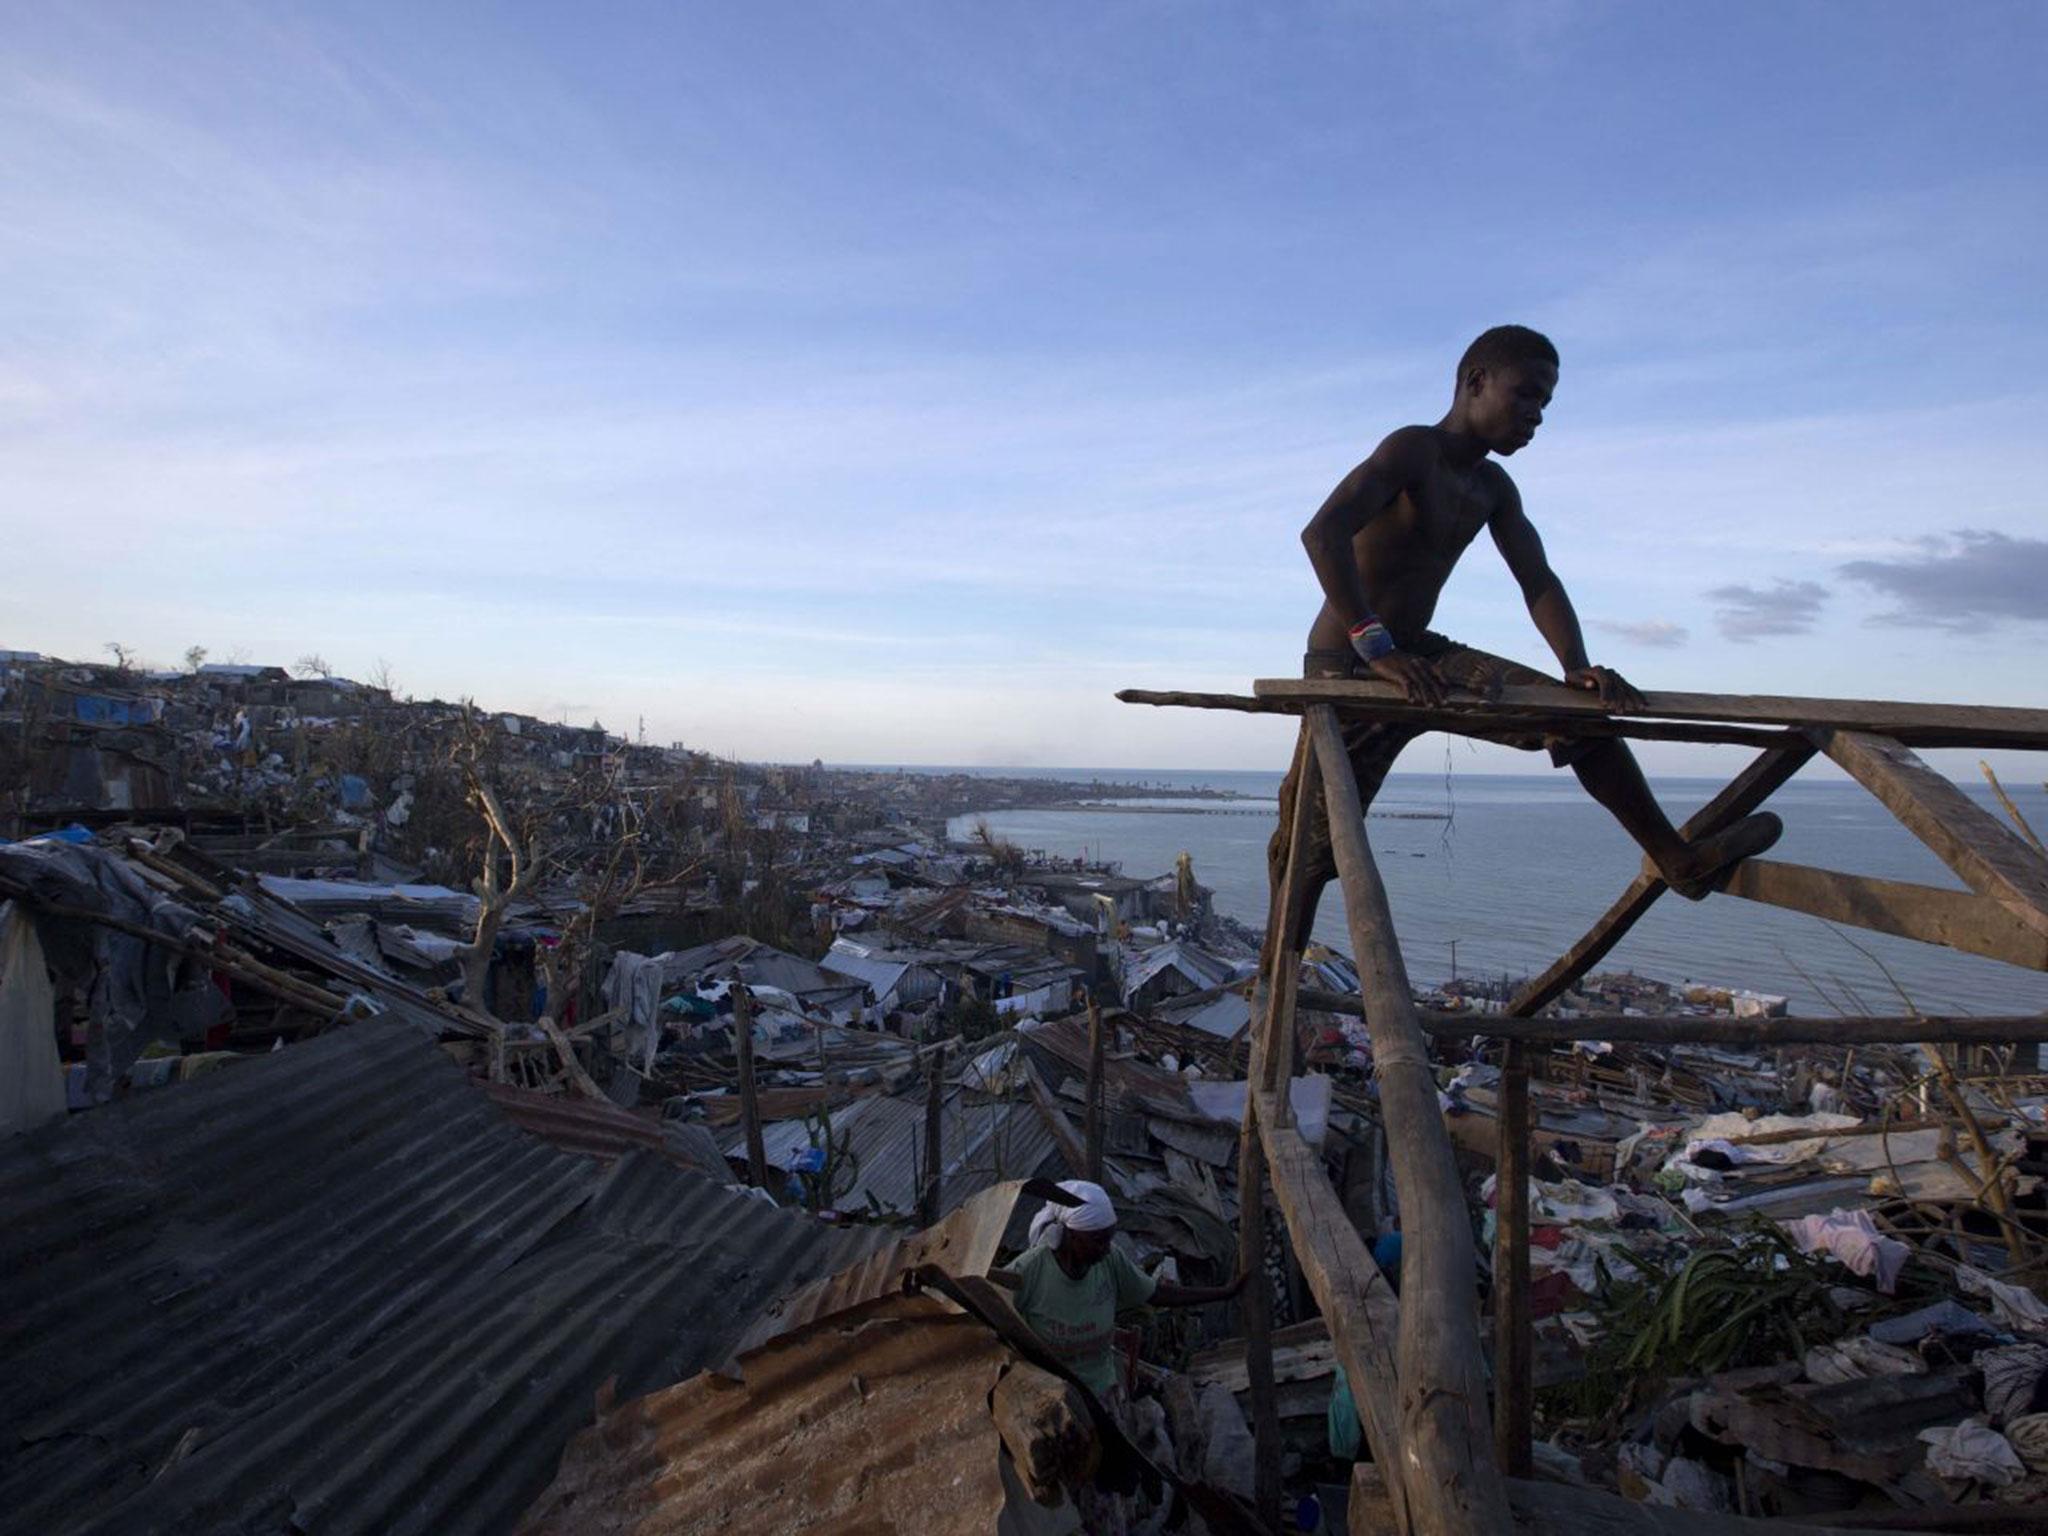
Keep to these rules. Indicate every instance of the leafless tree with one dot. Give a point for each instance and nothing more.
(195, 657)
(124, 655)
(312, 664)
(1005, 855)
(511, 857)
(589, 841)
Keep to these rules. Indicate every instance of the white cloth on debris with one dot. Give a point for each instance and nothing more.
(2015, 1305)
(1095, 1213)
(1569, 1203)
(1724, 1127)
(1728, 1149)
(634, 983)
(1973, 1451)
(1852, 1237)
(1859, 1359)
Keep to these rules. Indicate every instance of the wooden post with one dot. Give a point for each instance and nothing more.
(750, 1107)
(1513, 1353)
(1258, 1318)
(1358, 1304)
(1269, 1055)
(1452, 1484)
(1091, 1121)
(934, 1110)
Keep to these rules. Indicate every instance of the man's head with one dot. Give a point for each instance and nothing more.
(1079, 1233)
(1505, 379)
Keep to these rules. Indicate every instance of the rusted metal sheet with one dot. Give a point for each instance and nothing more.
(873, 1420)
(575, 1123)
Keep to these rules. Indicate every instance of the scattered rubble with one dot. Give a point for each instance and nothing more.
(361, 1048)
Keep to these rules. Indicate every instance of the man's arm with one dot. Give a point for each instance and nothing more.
(1400, 461)
(1550, 606)
(1167, 1294)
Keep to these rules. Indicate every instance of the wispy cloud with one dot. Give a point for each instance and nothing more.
(1747, 613)
(1968, 581)
(560, 361)
(1661, 634)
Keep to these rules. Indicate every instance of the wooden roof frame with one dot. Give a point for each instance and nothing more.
(1415, 1366)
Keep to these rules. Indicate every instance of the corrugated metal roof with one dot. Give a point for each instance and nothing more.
(881, 976)
(1133, 1083)
(981, 1141)
(1197, 964)
(336, 1288)
(1221, 1011)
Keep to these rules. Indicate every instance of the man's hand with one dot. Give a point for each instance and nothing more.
(1614, 690)
(1418, 679)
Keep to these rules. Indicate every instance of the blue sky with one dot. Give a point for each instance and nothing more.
(894, 382)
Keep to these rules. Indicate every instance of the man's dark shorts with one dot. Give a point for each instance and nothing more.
(1373, 745)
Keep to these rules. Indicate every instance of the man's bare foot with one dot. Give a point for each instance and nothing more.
(1714, 856)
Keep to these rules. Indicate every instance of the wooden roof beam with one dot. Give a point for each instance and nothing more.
(1989, 856)
(1957, 725)
(1976, 925)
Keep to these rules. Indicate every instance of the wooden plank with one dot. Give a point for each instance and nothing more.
(1073, 1151)
(1764, 777)
(585, 1083)
(1462, 719)
(1989, 856)
(1091, 1114)
(930, 1196)
(1700, 1029)
(1358, 1305)
(1711, 1029)
(1961, 920)
(1514, 1393)
(1447, 1470)
(1940, 725)
(1271, 1062)
(750, 1106)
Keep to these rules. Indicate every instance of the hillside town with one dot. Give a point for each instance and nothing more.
(363, 1046)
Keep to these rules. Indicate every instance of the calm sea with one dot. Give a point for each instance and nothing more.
(1523, 865)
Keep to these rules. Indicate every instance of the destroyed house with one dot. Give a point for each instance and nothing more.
(1170, 970)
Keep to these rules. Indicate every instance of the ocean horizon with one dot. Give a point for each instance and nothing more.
(1495, 875)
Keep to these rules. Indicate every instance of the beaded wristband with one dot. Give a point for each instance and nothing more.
(1371, 640)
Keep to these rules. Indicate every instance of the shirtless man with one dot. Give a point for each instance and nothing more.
(1383, 546)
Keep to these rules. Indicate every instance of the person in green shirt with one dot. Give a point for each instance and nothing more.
(1069, 1285)
(1072, 1282)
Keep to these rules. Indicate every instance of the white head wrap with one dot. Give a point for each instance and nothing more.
(1093, 1214)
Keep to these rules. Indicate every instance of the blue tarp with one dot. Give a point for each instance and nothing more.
(96, 709)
